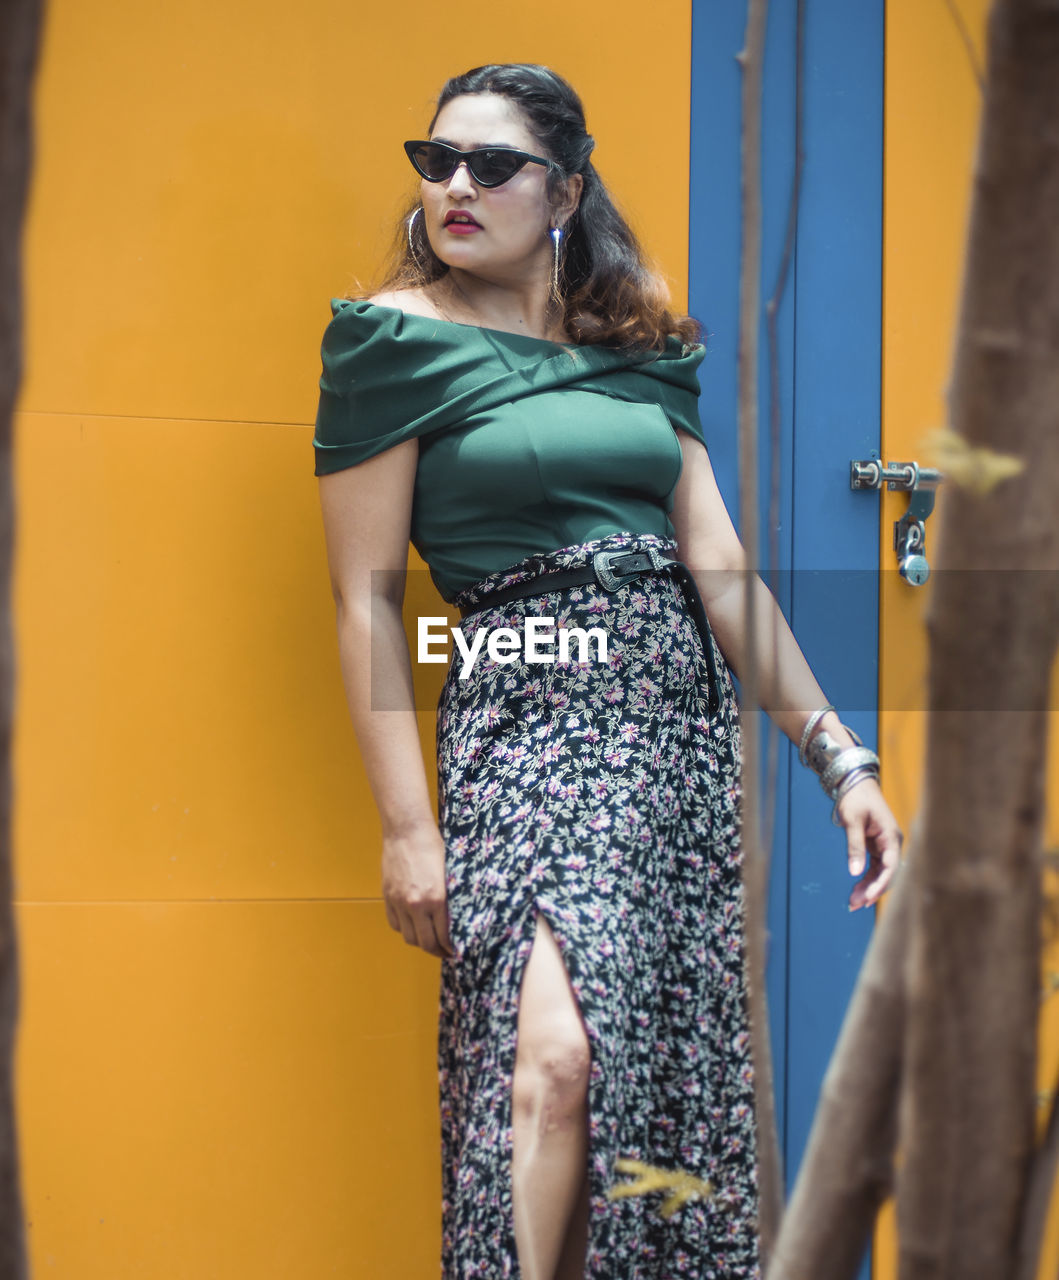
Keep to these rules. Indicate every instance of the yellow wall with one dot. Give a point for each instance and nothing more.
(933, 105)
(226, 1059)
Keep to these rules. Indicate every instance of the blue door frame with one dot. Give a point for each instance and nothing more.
(829, 360)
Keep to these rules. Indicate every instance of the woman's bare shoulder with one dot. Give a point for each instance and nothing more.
(413, 301)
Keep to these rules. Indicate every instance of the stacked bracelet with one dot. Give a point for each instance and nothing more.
(807, 732)
(839, 768)
(844, 763)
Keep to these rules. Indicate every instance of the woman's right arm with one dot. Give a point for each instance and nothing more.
(367, 516)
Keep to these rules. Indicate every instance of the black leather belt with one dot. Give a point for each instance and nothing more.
(611, 570)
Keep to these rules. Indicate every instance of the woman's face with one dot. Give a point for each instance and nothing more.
(506, 237)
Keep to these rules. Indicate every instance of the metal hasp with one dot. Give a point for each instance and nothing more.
(910, 537)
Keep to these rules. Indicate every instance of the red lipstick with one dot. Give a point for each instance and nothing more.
(461, 223)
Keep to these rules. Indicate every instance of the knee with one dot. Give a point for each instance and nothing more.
(551, 1076)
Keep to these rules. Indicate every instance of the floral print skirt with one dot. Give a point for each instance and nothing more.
(601, 795)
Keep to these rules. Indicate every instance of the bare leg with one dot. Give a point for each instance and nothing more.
(549, 1114)
(572, 1259)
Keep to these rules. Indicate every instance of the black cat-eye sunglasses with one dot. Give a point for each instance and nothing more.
(489, 166)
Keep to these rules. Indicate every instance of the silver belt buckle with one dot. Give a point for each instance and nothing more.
(610, 581)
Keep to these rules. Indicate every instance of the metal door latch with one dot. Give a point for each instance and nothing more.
(910, 537)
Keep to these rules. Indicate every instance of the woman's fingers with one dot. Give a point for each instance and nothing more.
(871, 830)
(426, 928)
(408, 928)
(391, 916)
(442, 928)
(885, 860)
(855, 842)
(433, 930)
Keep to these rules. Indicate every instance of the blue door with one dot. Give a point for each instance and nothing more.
(829, 367)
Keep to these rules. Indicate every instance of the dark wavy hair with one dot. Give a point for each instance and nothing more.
(611, 295)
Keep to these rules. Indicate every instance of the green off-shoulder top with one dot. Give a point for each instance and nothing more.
(525, 445)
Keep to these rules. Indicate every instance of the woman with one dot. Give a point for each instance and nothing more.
(518, 399)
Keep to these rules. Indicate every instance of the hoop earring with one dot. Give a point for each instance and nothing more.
(411, 243)
(556, 234)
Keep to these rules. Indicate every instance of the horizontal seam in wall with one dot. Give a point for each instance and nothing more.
(154, 417)
(163, 902)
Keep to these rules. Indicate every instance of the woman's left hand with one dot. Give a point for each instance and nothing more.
(872, 830)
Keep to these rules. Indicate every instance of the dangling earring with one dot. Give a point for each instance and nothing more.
(556, 234)
(411, 242)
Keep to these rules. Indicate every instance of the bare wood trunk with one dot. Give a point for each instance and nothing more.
(20, 23)
(847, 1170)
(755, 856)
(967, 1118)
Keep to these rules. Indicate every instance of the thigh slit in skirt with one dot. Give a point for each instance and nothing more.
(602, 796)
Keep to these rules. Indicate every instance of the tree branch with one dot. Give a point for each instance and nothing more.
(847, 1169)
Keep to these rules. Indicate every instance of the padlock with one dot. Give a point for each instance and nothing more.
(914, 569)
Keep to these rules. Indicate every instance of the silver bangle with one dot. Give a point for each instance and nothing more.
(844, 763)
(807, 732)
(852, 778)
(823, 749)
